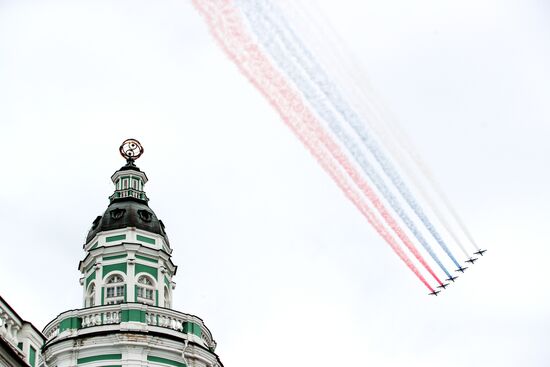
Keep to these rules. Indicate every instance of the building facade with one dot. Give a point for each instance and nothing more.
(20, 341)
(127, 317)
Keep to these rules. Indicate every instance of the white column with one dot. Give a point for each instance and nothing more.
(131, 278)
(9, 334)
(98, 283)
(14, 333)
(160, 285)
(82, 282)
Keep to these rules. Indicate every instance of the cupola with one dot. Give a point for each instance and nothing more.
(128, 254)
(127, 317)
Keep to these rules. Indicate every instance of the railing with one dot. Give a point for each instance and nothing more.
(132, 193)
(51, 332)
(175, 320)
(96, 316)
(88, 318)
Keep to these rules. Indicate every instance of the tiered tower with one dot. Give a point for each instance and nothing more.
(127, 319)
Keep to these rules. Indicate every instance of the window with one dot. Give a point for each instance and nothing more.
(114, 290)
(90, 296)
(145, 290)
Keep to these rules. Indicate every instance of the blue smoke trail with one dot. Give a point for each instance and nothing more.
(319, 103)
(317, 74)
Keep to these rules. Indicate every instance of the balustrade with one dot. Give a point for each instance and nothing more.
(52, 331)
(124, 193)
(100, 318)
(112, 314)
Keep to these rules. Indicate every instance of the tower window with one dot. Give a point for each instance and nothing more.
(114, 290)
(145, 290)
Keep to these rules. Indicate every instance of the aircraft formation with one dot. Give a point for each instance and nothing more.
(309, 81)
(471, 260)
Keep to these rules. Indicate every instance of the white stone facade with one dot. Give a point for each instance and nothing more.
(21, 337)
(128, 334)
(137, 257)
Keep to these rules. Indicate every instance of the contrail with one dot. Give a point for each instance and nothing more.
(227, 29)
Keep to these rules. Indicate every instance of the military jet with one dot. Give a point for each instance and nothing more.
(480, 252)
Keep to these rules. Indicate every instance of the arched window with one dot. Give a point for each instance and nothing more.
(90, 296)
(167, 299)
(145, 290)
(114, 290)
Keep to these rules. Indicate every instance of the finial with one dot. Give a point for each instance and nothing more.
(131, 149)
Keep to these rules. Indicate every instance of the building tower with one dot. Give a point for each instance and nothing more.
(127, 317)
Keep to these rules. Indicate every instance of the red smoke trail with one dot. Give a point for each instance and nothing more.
(233, 38)
(300, 79)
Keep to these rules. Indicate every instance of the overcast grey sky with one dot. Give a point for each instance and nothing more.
(282, 268)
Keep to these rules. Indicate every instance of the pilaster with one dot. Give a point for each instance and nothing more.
(99, 283)
(131, 279)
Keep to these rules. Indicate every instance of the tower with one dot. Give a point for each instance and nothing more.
(127, 317)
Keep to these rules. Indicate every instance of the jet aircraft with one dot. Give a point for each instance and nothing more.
(480, 252)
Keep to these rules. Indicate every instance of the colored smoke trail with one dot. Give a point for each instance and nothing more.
(226, 28)
(450, 208)
(372, 109)
(318, 75)
(315, 98)
(414, 157)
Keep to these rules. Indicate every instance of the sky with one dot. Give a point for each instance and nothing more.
(271, 255)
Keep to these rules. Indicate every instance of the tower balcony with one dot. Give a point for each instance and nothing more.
(129, 317)
(129, 193)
